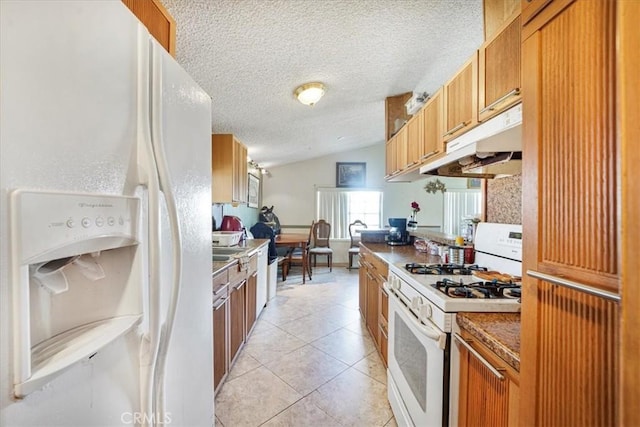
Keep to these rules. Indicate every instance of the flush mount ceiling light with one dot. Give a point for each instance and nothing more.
(309, 93)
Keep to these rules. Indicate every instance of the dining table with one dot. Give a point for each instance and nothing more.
(293, 241)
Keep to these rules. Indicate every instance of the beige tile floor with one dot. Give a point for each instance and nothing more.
(308, 362)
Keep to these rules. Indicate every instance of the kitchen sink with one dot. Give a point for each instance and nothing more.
(225, 250)
(221, 258)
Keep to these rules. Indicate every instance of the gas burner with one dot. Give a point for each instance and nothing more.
(442, 269)
(490, 290)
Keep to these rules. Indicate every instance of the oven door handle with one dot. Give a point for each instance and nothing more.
(431, 332)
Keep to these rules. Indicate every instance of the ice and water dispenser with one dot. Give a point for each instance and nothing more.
(77, 274)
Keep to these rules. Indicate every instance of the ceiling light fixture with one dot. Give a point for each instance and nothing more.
(309, 93)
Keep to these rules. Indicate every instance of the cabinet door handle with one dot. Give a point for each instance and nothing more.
(426, 156)
(216, 292)
(410, 164)
(220, 304)
(460, 126)
(240, 285)
(490, 107)
(382, 331)
(478, 356)
(576, 286)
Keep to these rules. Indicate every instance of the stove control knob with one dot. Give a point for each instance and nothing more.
(425, 311)
(394, 283)
(416, 303)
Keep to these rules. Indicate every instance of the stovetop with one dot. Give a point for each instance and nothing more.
(459, 290)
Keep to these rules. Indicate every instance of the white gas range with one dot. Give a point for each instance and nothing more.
(423, 300)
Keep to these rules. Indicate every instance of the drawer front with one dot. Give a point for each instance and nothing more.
(219, 281)
(236, 274)
(253, 264)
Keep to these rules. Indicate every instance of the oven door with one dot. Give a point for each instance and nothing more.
(418, 367)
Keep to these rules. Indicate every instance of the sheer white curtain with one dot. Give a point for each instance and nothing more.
(457, 204)
(332, 205)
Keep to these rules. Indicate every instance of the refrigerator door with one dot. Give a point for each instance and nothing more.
(181, 133)
(68, 118)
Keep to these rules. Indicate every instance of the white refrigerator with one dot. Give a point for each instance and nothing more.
(105, 180)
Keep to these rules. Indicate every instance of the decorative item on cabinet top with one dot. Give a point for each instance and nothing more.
(416, 102)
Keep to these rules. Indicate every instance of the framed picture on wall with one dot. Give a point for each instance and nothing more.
(351, 174)
(254, 192)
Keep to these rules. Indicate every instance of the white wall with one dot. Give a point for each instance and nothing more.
(291, 190)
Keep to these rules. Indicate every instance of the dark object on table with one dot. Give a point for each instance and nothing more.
(268, 217)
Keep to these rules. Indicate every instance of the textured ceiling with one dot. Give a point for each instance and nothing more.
(250, 55)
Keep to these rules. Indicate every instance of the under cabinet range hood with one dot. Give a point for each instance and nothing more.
(492, 148)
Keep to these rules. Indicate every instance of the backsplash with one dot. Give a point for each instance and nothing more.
(504, 200)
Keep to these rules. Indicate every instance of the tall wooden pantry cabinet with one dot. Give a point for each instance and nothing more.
(570, 303)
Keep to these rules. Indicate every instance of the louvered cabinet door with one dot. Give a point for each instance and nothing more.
(569, 338)
(489, 392)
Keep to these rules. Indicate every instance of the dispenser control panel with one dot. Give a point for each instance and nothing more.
(52, 225)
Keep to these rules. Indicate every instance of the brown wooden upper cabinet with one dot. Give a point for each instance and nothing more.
(390, 159)
(155, 17)
(415, 131)
(229, 169)
(417, 142)
(461, 100)
(499, 70)
(531, 8)
(496, 13)
(432, 117)
(401, 148)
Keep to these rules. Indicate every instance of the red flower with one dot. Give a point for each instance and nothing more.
(415, 206)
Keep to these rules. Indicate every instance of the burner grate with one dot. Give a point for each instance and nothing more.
(442, 269)
(487, 290)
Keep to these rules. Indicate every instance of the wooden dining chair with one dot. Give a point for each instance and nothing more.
(296, 256)
(354, 234)
(320, 242)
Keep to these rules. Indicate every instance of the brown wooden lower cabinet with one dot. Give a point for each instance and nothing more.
(373, 299)
(489, 387)
(220, 361)
(362, 288)
(372, 308)
(220, 289)
(252, 289)
(237, 317)
(383, 322)
(234, 314)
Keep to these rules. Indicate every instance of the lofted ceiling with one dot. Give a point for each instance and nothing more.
(250, 55)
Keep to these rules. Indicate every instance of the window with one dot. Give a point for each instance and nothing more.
(341, 207)
(457, 205)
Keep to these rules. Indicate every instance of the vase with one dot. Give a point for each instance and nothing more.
(412, 224)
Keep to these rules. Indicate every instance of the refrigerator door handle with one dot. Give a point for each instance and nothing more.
(148, 176)
(176, 234)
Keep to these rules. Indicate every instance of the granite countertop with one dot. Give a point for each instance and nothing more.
(400, 254)
(498, 331)
(251, 246)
